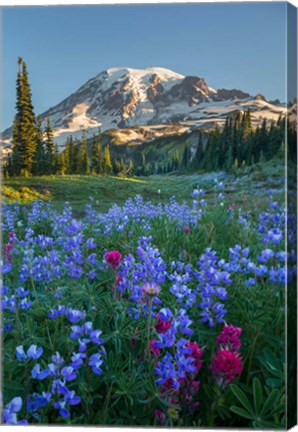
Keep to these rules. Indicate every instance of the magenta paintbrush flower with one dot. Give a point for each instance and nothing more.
(113, 258)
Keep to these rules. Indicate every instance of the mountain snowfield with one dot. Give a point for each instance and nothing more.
(152, 98)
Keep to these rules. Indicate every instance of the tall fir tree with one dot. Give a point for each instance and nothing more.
(106, 163)
(24, 127)
(84, 166)
(199, 154)
(185, 162)
(50, 148)
(75, 158)
(96, 158)
(40, 155)
(67, 154)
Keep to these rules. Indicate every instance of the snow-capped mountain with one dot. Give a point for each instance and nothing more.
(123, 97)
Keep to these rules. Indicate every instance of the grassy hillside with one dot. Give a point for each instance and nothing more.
(105, 190)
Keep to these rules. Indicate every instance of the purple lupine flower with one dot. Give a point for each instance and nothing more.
(250, 282)
(68, 373)
(83, 344)
(75, 316)
(71, 398)
(95, 362)
(166, 340)
(87, 327)
(21, 293)
(25, 304)
(20, 353)
(59, 387)
(77, 360)
(90, 243)
(77, 331)
(92, 274)
(57, 359)
(184, 361)
(94, 336)
(10, 412)
(34, 352)
(38, 374)
(266, 255)
(185, 322)
(165, 314)
(57, 312)
(60, 406)
(165, 369)
(36, 401)
(91, 259)
(6, 268)
(220, 312)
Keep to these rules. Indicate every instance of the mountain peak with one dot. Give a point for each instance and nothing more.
(122, 97)
(141, 72)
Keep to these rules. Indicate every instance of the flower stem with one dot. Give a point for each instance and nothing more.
(251, 357)
(149, 327)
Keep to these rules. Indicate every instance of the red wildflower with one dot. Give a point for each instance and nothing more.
(160, 416)
(8, 249)
(118, 279)
(153, 350)
(226, 365)
(196, 353)
(11, 236)
(229, 338)
(186, 229)
(163, 326)
(113, 258)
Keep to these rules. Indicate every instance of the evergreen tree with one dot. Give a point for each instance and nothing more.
(263, 141)
(175, 161)
(106, 163)
(8, 168)
(75, 156)
(24, 127)
(67, 155)
(62, 163)
(50, 148)
(56, 160)
(130, 168)
(96, 154)
(143, 164)
(185, 163)
(84, 167)
(40, 155)
(199, 155)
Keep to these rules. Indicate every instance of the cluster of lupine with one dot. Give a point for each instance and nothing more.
(173, 301)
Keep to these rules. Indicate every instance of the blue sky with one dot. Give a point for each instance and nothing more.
(230, 45)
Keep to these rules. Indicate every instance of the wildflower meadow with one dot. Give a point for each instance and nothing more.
(151, 314)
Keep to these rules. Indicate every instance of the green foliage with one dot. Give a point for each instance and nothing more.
(263, 410)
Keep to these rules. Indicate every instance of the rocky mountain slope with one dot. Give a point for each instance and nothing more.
(156, 100)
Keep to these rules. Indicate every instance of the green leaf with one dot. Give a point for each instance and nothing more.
(274, 382)
(258, 395)
(241, 396)
(270, 402)
(241, 412)
(13, 385)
